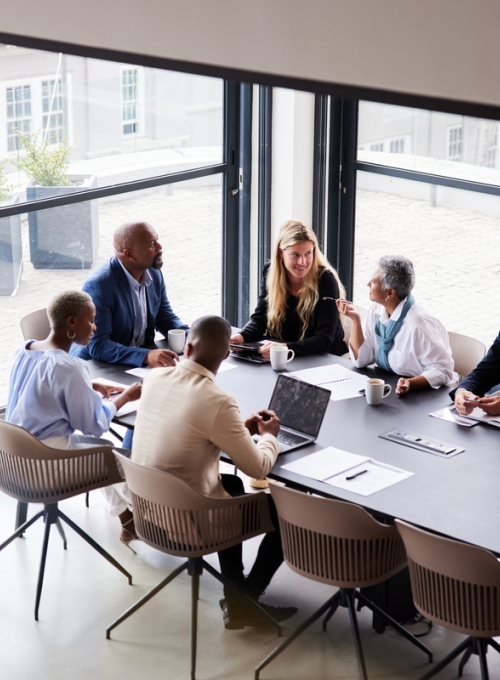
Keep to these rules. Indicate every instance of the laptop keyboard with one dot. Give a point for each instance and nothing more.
(290, 439)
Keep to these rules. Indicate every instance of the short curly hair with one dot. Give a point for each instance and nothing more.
(398, 273)
(69, 303)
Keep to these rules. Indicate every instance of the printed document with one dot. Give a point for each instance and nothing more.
(343, 383)
(349, 471)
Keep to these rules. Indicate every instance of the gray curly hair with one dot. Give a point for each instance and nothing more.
(69, 303)
(398, 273)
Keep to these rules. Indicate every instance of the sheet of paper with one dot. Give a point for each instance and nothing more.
(226, 366)
(129, 407)
(378, 476)
(325, 463)
(140, 371)
(479, 415)
(111, 383)
(451, 416)
(343, 383)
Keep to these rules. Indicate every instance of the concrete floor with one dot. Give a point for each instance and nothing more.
(83, 594)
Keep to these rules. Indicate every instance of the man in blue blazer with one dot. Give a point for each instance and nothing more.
(131, 302)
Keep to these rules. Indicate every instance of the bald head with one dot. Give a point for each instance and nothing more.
(128, 234)
(208, 341)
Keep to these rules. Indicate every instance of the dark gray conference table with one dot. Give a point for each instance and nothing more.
(457, 497)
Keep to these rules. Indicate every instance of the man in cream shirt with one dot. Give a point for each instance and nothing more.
(184, 421)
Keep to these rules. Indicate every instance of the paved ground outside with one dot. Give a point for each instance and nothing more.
(456, 254)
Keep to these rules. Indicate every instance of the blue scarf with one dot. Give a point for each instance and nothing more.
(385, 334)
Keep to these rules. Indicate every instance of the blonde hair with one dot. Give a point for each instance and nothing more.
(70, 303)
(292, 232)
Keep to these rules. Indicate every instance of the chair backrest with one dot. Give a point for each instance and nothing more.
(335, 542)
(35, 325)
(454, 584)
(347, 322)
(467, 352)
(172, 516)
(35, 473)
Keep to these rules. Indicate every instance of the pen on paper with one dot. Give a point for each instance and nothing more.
(356, 475)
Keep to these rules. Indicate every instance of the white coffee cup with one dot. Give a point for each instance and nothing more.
(280, 357)
(176, 340)
(376, 390)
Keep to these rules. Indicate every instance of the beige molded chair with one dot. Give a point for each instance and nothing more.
(467, 352)
(173, 517)
(35, 325)
(35, 473)
(347, 322)
(342, 545)
(456, 585)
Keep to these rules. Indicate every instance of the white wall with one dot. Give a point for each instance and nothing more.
(443, 48)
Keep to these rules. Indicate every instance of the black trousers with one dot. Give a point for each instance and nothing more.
(269, 557)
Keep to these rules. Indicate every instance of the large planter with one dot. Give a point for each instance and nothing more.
(66, 237)
(11, 251)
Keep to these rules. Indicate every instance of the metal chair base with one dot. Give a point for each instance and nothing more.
(345, 597)
(52, 515)
(469, 646)
(194, 567)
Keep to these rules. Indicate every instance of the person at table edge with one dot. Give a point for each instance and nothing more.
(207, 420)
(470, 393)
(296, 305)
(131, 301)
(397, 333)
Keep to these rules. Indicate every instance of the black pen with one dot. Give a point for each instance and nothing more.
(357, 474)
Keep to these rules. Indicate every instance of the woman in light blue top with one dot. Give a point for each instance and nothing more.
(51, 394)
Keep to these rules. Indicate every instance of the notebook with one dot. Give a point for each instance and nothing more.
(301, 408)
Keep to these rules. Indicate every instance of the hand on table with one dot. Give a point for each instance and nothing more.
(132, 393)
(466, 402)
(403, 387)
(107, 391)
(237, 339)
(490, 405)
(158, 358)
(265, 349)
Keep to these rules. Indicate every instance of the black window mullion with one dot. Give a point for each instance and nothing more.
(333, 188)
(319, 166)
(244, 202)
(265, 173)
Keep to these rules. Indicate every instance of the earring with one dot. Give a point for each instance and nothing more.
(71, 337)
(386, 299)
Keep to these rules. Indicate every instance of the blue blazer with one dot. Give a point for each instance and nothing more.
(109, 288)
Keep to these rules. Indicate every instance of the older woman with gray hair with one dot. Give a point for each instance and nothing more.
(51, 394)
(397, 333)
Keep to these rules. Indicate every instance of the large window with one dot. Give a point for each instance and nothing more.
(18, 113)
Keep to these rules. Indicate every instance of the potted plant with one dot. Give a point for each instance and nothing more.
(11, 250)
(65, 237)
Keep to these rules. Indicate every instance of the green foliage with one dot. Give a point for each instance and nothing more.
(5, 187)
(46, 166)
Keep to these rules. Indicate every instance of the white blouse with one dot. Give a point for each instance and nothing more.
(421, 347)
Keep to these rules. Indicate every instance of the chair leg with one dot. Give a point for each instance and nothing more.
(448, 659)
(494, 644)
(48, 518)
(329, 615)
(87, 496)
(146, 598)
(95, 545)
(196, 568)
(463, 661)
(295, 634)
(60, 529)
(20, 531)
(243, 596)
(391, 622)
(482, 646)
(349, 595)
(21, 514)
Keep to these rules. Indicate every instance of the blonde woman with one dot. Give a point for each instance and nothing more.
(297, 306)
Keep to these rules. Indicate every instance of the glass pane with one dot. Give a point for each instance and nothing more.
(452, 237)
(174, 120)
(429, 141)
(187, 217)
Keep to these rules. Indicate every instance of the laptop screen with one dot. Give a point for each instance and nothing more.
(299, 405)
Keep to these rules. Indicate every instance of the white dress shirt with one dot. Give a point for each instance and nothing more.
(184, 420)
(421, 347)
(138, 291)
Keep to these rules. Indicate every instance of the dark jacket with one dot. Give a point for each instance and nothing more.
(486, 374)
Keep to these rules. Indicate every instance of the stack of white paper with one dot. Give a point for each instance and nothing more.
(343, 383)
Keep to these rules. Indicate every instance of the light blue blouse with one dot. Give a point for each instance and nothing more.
(51, 395)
